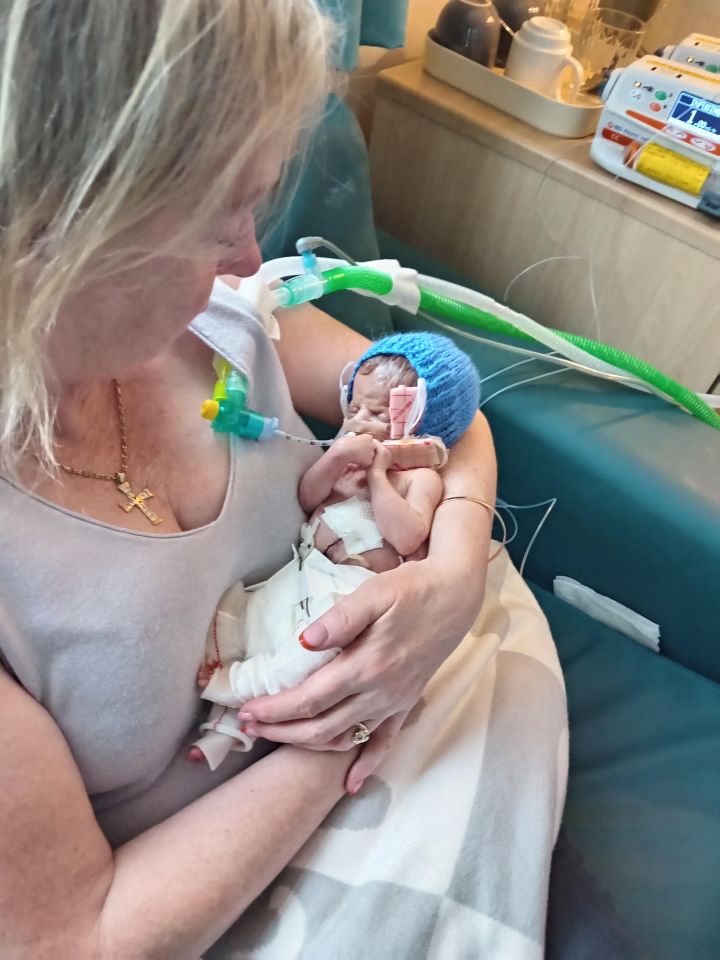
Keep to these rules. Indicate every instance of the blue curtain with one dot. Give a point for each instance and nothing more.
(333, 197)
(375, 23)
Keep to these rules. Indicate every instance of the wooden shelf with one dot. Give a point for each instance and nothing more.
(491, 196)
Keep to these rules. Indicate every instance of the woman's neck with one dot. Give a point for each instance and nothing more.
(78, 406)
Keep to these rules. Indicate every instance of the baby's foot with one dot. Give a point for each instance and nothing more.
(195, 755)
(204, 674)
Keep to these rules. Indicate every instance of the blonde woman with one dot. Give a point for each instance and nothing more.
(137, 140)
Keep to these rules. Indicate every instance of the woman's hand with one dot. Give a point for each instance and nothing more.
(395, 630)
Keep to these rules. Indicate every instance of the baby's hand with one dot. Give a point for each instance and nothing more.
(358, 450)
(383, 458)
(204, 674)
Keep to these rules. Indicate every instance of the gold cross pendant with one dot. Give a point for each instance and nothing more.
(136, 500)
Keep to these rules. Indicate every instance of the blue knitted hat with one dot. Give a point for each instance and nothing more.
(453, 385)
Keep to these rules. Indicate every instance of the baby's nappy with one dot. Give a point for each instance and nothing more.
(262, 626)
(353, 521)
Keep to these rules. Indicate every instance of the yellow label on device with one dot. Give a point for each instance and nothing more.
(669, 66)
(671, 168)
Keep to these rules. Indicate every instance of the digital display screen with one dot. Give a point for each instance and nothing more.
(697, 112)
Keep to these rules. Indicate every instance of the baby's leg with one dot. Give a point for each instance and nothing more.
(213, 747)
(204, 673)
(271, 672)
(221, 733)
(273, 616)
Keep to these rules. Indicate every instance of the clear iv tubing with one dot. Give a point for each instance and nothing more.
(459, 304)
(533, 355)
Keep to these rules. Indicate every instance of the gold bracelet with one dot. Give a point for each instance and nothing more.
(491, 508)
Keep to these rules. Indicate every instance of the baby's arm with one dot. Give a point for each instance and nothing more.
(404, 522)
(319, 480)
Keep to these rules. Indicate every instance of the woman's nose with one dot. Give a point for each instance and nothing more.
(250, 257)
(245, 259)
(251, 261)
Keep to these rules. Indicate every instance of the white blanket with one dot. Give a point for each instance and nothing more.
(445, 853)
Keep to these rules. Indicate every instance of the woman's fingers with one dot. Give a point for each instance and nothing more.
(341, 624)
(328, 687)
(402, 631)
(339, 627)
(374, 751)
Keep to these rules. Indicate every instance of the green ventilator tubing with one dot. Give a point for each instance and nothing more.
(351, 277)
(344, 278)
(473, 317)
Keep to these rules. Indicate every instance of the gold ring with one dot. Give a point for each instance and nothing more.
(361, 734)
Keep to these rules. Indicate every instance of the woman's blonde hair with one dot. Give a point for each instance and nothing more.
(111, 112)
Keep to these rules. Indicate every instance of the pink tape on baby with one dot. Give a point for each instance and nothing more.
(413, 452)
(401, 401)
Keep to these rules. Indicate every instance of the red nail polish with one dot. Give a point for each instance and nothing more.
(313, 636)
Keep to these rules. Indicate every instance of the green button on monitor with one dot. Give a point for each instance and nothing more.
(660, 95)
(711, 68)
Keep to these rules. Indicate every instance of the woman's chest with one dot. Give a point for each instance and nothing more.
(109, 628)
(172, 469)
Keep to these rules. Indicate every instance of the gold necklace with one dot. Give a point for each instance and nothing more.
(120, 478)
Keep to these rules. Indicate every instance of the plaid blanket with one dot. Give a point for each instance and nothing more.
(445, 853)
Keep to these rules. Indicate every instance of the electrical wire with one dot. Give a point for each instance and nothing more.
(512, 366)
(607, 371)
(532, 266)
(312, 243)
(306, 243)
(520, 383)
(509, 507)
(535, 354)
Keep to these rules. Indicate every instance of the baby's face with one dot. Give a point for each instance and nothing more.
(369, 409)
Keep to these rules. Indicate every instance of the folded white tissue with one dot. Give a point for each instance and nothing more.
(609, 612)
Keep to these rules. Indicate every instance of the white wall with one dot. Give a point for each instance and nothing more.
(421, 16)
(678, 18)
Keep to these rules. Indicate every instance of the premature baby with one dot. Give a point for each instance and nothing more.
(366, 516)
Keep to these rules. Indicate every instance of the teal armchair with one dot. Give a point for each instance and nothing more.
(636, 872)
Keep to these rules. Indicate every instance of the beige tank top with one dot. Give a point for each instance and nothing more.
(106, 627)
